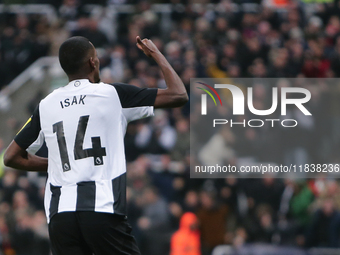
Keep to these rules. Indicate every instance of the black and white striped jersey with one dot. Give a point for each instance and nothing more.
(83, 125)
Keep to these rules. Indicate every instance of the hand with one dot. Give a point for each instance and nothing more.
(147, 46)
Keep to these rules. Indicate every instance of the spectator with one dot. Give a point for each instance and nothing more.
(213, 221)
(299, 204)
(157, 138)
(89, 28)
(324, 230)
(154, 223)
(186, 240)
(182, 144)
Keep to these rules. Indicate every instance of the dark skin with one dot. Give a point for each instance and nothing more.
(20, 159)
(90, 69)
(174, 95)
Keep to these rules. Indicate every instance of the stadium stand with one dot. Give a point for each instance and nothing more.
(208, 39)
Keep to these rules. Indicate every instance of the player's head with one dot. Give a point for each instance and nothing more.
(78, 57)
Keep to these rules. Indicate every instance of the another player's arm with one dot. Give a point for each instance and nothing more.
(19, 158)
(175, 95)
(16, 155)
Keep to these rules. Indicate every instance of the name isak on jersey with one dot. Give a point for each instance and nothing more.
(76, 100)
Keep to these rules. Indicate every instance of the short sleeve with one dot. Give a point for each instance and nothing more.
(137, 113)
(136, 102)
(37, 144)
(133, 96)
(30, 131)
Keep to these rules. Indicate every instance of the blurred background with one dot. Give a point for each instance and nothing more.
(169, 212)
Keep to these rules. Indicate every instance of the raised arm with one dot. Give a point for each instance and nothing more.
(18, 158)
(175, 95)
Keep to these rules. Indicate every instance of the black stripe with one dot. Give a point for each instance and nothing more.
(43, 151)
(119, 194)
(86, 196)
(132, 96)
(54, 204)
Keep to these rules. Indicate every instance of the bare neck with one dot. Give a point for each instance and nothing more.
(81, 76)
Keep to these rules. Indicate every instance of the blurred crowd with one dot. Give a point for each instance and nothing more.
(205, 43)
(24, 39)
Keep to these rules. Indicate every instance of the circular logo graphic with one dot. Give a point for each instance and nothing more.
(66, 167)
(77, 84)
(98, 161)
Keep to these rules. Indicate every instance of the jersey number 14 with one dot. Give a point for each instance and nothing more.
(97, 151)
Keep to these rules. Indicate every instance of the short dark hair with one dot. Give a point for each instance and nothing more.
(73, 53)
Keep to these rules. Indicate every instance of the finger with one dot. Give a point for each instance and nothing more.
(141, 44)
(138, 46)
(139, 41)
(145, 44)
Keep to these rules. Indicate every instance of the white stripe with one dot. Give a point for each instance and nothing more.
(68, 198)
(204, 104)
(47, 200)
(104, 196)
(135, 113)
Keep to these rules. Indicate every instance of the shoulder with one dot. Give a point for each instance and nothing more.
(120, 85)
(133, 96)
(123, 89)
(52, 95)
(105, 87)
(177, 237)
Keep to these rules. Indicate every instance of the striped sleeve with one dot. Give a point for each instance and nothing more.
(136, 102)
